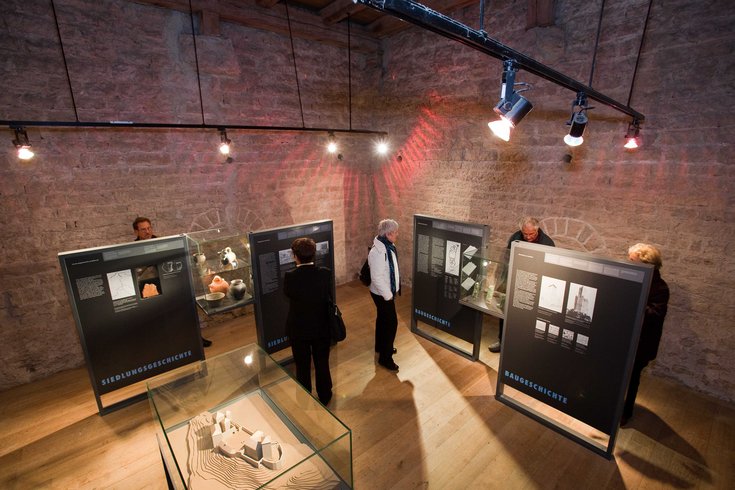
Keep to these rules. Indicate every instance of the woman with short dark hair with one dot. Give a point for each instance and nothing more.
(309, 289)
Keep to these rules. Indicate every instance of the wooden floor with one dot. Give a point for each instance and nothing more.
(435, 424)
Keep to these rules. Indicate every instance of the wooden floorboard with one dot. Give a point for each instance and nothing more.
(435, 424)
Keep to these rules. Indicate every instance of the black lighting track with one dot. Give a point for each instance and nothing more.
(429, 19)
(126, 124)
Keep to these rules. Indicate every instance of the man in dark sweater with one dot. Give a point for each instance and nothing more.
(528, 231)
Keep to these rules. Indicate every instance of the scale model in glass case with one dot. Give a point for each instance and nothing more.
(238, 420)
(483, 281)
(221, 271)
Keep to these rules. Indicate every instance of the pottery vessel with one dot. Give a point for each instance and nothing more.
(219, 285)
(214, 299)
(238, 289)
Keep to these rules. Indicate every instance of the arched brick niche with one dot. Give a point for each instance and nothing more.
(574, 234)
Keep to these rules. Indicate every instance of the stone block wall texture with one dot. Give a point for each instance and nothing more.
(133, 62)
(130, 62)
(675, 192)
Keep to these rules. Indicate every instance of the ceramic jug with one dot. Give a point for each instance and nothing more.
(219, 285)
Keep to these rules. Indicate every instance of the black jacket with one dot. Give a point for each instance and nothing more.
(653, 320)
(308, 289)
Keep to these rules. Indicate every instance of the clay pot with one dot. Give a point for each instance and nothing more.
(238, 289)
(219, 285)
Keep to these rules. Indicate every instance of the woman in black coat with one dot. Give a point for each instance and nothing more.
(309, 289)
(653, 321)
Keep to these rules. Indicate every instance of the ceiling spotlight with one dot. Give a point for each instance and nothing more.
(512, 107)
(577, 121)
(632, 137)
(22, 144)
(382, 148)
(225, 142)
(331, 143)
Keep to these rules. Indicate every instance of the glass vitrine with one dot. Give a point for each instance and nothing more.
(483, 281)
(238, 420)
(221, 269)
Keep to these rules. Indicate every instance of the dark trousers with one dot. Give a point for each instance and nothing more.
(386, 325)
(303, 351)
(635, 381)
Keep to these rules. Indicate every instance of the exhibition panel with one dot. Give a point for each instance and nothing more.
(437, 314)
(238, 420)
(271, 259)
(134, 310)
(572, 326)
(220, 268)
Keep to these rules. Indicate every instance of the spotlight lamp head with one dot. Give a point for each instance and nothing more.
(225, 142)
(632, 137)
(512, 107)
(577, 121)
(331, 143)
(22, 144)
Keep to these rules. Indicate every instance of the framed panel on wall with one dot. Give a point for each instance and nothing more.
(571, 331)
(135, 313)
(271, 258)
(436, 312)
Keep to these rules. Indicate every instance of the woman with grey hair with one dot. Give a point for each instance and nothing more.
(653, 321)
(385, 283)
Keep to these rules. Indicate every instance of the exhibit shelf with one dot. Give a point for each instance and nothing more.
(238, 420)
(221, 269)
(228, 303)
(483, 281)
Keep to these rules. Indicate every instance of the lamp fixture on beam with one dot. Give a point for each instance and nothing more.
(577, 121)
(224, 146)
(512, 107)
(22, 144)
(632, 137)
(331, 143)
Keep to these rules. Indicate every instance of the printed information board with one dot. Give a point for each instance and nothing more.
(571, 330)
(271, 259)
(438, 248)
(134, 309)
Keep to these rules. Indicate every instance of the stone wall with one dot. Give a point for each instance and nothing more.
(434, 96)
(676, 191)
(129, 62)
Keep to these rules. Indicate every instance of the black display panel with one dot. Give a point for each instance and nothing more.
(271, 259)
(571, 330)
(134, 308)
(437, 251)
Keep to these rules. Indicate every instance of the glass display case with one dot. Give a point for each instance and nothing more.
(238, 420)
(221, 270)
(483, 281)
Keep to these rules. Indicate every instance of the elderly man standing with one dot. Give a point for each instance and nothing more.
(385, 284)
(528, 231)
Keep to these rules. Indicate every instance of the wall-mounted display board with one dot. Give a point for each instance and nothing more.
(135, 312)
(271, 259)
(571, 331)
(438, 247)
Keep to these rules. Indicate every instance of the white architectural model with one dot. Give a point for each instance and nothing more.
(235, 441)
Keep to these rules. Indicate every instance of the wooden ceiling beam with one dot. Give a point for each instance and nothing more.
(304, 25)
(339, 10)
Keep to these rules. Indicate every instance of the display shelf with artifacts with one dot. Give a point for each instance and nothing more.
(238, 420)
(221, 270)
(483, 281)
